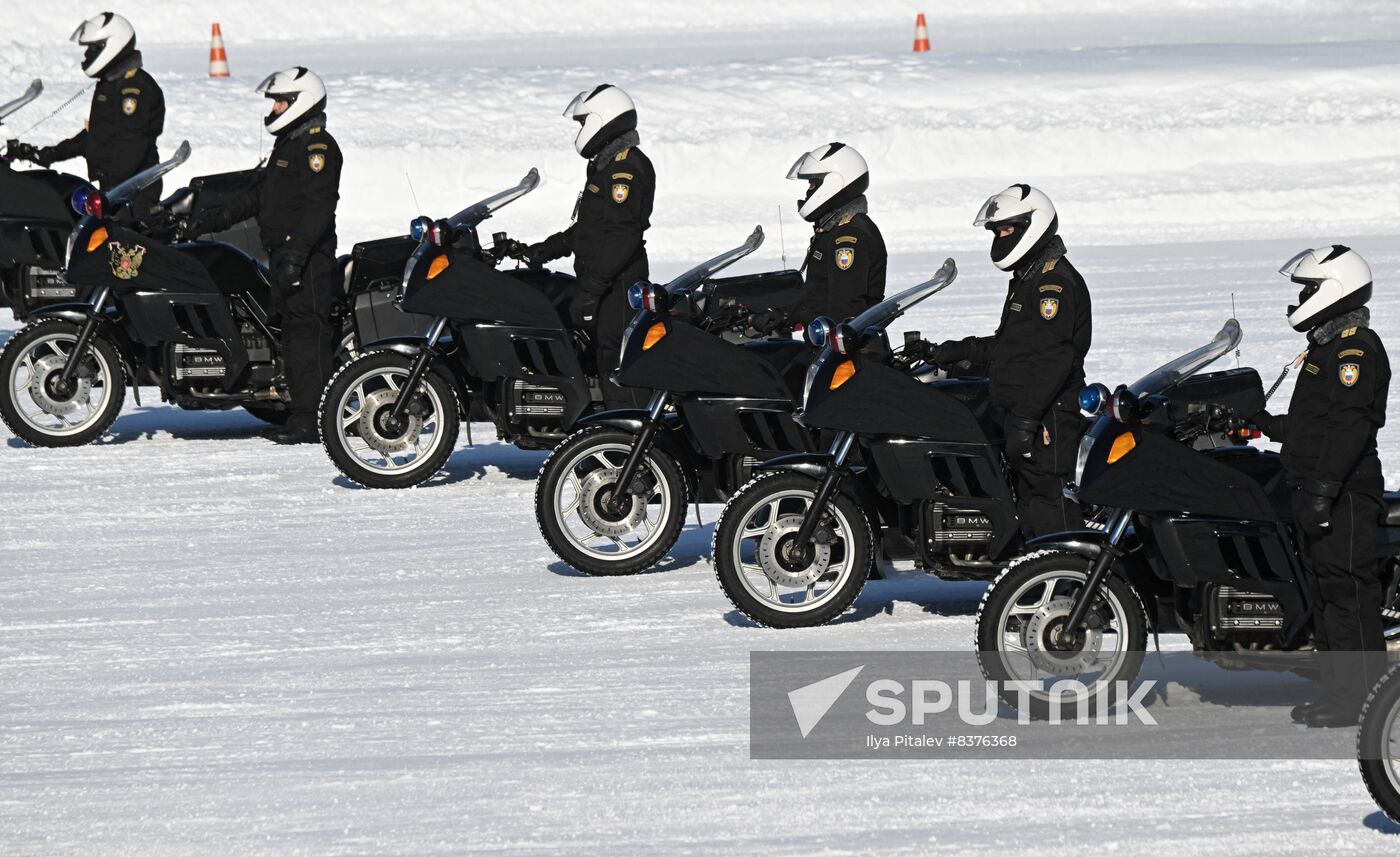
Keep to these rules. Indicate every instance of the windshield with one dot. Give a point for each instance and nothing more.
(134, 185)
(477, 212)
(36, 86)
(1164, 378)
(879, 316)
(707, 269)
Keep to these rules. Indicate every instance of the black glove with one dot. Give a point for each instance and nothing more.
(206, 222)
(286, 272)
(1020, 436)
(948, 353)
(1312, 507)
(1265, 421)
(17, 151)
(766, 322)
(535, 255)
(583, 310)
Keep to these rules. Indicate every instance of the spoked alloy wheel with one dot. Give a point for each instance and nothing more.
(572, 503)
(1378, 744)
(772, 579)
(1022, 636)
(36, 404)
(360, 435)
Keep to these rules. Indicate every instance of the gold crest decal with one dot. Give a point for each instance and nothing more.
(1049, 308)
(620, 192)
(128, 106)
(1349, 373)
(317, 162)
(845, 257)
(126, 261)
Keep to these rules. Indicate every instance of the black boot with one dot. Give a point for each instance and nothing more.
(292, 433)
(1331, 715)
(1300, 711)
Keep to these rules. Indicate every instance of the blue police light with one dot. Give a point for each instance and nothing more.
(418, 227)
(648, 296)
(634, 295)
(1092, 399)
(80, 196)
(819, 331)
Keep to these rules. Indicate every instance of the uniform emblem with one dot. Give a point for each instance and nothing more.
(620, 192)
(128, 106)
(1049, 308)
(126, 261)
(845, 257)
(317, 162)
(1349, 373)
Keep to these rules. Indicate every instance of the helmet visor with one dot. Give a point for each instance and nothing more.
(807, 167)
(576, 106)
(78, 33)
(1292, 264)
(987, 214)
(265, 88)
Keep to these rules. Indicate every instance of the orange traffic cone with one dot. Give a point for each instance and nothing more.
(218, 60)
(920, 34)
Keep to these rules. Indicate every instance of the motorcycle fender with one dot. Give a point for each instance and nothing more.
(628, 419)
(79, 313)
(1087, 543)
(409, 346)
(74, 312)
(813, 464)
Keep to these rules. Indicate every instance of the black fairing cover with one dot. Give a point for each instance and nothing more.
(469, 290)
(879, 400)
(214, 191)
(774, 291)
(379, 263)
(37, 194)
(161, 267)
(1240, 390)
(689, 360)
(1161, 474)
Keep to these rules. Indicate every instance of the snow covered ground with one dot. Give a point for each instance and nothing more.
(212, 645)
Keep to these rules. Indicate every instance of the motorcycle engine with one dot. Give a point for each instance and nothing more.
(1234, 613)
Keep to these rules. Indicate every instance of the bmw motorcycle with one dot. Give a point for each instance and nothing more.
(493, 343)
(913, 468)
(1378, 743)
(189, 318)
(719, 408)
(1197, 541)
(35, 219)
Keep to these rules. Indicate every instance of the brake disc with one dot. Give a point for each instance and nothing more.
(775, 555)
(1045, 646)
(373, 410)
(595, 490)
(45, 369)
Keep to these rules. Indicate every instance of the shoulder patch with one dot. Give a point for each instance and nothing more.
(845, 257)
(1049, 266)
(622, 156)
(316, 162)
(846, 239)
(1350, 331)
(1051, 287)
(316, 146)
(1049, 308)
(1352, 352)
(627, 176)
(1349, 374)
(620, 191)
(131, 90)
(128, 105)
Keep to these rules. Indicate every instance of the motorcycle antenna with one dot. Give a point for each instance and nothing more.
(781, 243)
(1233, 314)
(413, 193)
(57, 110)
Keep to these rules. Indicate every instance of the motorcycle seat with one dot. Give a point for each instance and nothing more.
(1392, 508)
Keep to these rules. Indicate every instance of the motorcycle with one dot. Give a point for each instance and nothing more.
(190, 318)
(719, 407)
(35, 219)
(494, 343)
(914, 456)
(1378, 743)
(1197, 540)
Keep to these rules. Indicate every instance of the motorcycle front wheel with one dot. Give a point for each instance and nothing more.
(38, 406)
(362, 439)
(1378, 744)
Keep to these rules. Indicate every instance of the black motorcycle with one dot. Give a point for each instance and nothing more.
(913, 457)
(719, 407)
(494, 343)
(1197, 540)
(188, 318)
(35, 220)
(1378, 742)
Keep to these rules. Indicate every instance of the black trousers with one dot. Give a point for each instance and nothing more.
(1344, 573)
(1040, 480)
(308, 335)
(609, 324)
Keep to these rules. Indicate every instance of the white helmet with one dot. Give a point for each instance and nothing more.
(1029, 212)
(604, 114)
(1335, 280)
(108, 38)
(835, 173)
(303, 90)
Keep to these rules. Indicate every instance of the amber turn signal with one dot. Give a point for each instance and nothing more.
(1122, 445)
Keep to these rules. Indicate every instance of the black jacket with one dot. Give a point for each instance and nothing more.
(845, 271)
(613, 214)
(1338, 405)
(1037, 354)
(126, 118)
(295, 200)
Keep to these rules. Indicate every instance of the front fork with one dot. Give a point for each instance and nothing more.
(840, 450)
(70, 369)
(1099, 571)
(639, 450)
(421, 362)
